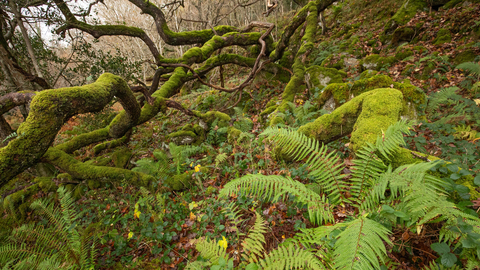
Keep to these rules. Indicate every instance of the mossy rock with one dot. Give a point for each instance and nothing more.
(365, 117)
(376, 62)
(265, 114)
(121, 157)
(182, 137)
(368, 74)
(406, 12)
(443, 36)
(403, 52)
(403, 34)
(465, 56)
(335, 95)
(321, 76)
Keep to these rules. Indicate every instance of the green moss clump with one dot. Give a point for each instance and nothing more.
(264, 115)
(121, 157)
(182, 137)
(443, 36)
(465, 56)
(402, 53)
(404, 156)
(403, 34)
(377, 62)
(210, 116)
(407, 11)
(233, 134)
(322, 76)
(475, 88)
(368, 74)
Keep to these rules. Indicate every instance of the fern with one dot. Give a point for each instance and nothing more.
(291, 257)
(273, 187)
(360, 244)
(210, 250)
(60, 244)
(441, 97)
(253, 244)
(435, 266)
(158, 169)
(324, 167)
(470, 67)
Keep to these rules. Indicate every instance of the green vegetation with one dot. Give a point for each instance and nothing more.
(324, 135)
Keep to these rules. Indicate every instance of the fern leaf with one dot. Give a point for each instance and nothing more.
(291, 257)
(435, 266)
(361, 244)
(440, 97)
(220, 158)
(390, 142)
(470, 67)
(253, 244)
(210, 250)
(324, 167)
(273, 187)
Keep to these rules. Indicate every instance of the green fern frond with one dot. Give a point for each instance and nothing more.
(435, 266)
(210, 250)
(392, 139)
(470, 67)
(273, 187)
(361, 244)
(290, 257)
(253, 244)
(324, 167)
(440, 97)
(197, 265)
(233, 214)
(220, 158)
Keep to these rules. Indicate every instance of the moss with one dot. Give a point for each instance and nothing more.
(420, 49)
(379, 110)
(48, 111)
(99, 161)
(428, 69)
(377, 62)
(181, 181)
(182, 137)
(322, 76)
(121, 157)
(233, 134)
(368, 74)
(364, 116)
(443, 36)
(402, 53)
(403, 34)
(342, 92)
(465, 56)
(404, 156)
(407, 11)
(210, 116)
(267, 112)
(81, 170)
(210, 190)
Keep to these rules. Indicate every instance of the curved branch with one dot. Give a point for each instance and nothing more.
(50, 109)
(182, 38)
(12, 100)
(98, 31)
(296, 22)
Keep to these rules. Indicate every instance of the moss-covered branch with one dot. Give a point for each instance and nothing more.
(50, 109)
(182, 38)
(81, 170)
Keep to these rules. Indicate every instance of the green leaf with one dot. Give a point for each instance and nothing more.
(453, 168)
(455, 176)
(401, 215)
(476, 180)
(449, 259)
(388, 209)
(251, 266)
(468, 242)
(440, 248)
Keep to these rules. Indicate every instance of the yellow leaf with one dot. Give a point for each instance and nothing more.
(136, 212)
(192, 216)
(477, 101)
(197, 168)
(130, 235)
